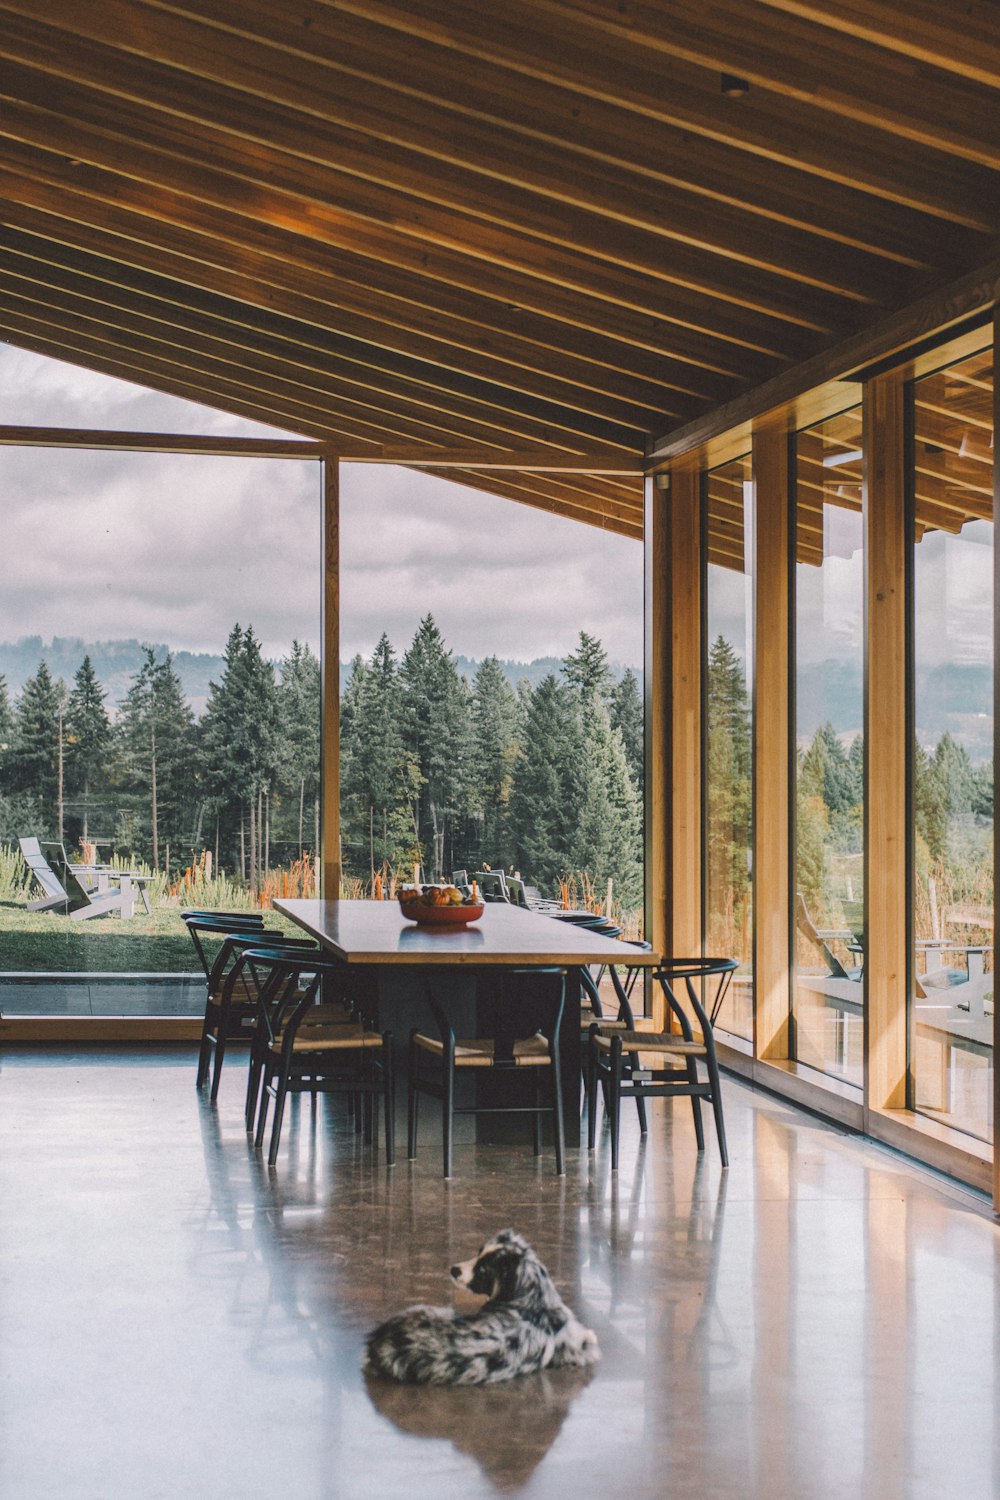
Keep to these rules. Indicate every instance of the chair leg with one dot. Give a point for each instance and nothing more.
(699, 1129)
(615, 1098)
(203, 1054)
(640, 1105)
(537, 1118)
(267, 1074)
(591, 1094)
(253, 1091)
(279, 1112)
(448, 1107)
(714, 1079)
(220, 1052)
(389, 1093)
(557, 1111)
(412, 1099)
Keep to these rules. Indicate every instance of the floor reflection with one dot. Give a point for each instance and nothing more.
(818, 1321)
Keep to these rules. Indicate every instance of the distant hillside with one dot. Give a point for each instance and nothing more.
(116, 663)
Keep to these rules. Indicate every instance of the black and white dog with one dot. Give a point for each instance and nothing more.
(525, 1326)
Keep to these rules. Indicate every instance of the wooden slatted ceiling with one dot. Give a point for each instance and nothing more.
(536, 228)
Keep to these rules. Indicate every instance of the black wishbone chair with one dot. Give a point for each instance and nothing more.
(232, 990)
(663, 1065)
(525, 1040)
(304, 1044)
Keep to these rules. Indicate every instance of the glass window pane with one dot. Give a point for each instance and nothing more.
(828, 988)
(729, 748)
(159, 715)
(952, 1001)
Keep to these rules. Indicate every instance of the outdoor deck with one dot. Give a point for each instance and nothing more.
(819, 1322)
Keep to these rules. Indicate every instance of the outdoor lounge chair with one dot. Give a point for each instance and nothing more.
(63, 889)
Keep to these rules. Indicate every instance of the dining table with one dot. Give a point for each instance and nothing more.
(393, 966)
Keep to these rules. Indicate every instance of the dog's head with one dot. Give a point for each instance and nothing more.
(505, 1270)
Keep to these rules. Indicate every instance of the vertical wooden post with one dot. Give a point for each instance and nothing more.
(656, 709)
(887, 914)
(996, 741)
(330, 668)
(771, 742)
(673, 713)
(672, 685)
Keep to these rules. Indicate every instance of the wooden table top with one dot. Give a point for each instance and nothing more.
(376, 932)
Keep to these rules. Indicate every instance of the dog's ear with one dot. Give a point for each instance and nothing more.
(505, 1272)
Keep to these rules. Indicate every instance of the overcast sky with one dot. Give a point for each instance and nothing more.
(175, 549)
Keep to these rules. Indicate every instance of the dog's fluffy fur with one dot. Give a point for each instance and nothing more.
(525, 1326)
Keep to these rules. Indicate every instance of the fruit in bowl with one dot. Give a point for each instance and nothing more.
(438, 905)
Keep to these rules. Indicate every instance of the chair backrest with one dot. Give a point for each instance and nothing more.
(492, 884)
(807, 926)
(516, 894)
(288, 980)
(218, 925)
(459, 877)
(40, 868)
(695, 974)
(58, 861)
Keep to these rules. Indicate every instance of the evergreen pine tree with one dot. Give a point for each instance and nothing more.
(437, 729)
(930, 803)
(958, 780)
(625, 704)
(6, 733)
(587, 668)
(299, 710)
(240, 743)
(34, 756)
(497, 727)
(728, 794)
(380, 777)
(549, 787)
(607, 839)
(89, 732)
(155, 735)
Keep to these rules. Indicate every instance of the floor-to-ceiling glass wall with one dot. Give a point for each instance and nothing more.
(951, 1015)
(828, 885)
(728, 547)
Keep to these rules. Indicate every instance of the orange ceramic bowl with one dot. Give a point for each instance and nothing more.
(440, 916)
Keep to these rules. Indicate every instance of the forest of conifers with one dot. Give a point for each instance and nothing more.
(435, 769)
(952, 818)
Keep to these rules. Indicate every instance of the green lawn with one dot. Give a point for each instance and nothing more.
(39, 942)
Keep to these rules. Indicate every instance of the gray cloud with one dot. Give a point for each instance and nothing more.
(176, 548)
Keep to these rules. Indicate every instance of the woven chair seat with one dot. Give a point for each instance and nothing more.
(243, 992)
(646, 1041)
(532, 1052)
(329, 1036)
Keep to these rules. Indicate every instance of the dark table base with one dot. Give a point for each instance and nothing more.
(396, 996)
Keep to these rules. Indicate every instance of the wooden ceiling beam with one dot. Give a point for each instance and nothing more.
(622, 267)
(316, 390)
(367, 316)
(607, 57)
(594, 510)
(965, 43)
(305, 355)
(506, 182)
(806, 63)
(162, 442)
(964, 300)
(44, 180)
(235, 447)
(343, 72)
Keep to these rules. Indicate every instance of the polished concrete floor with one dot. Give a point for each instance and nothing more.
(820, 1321)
